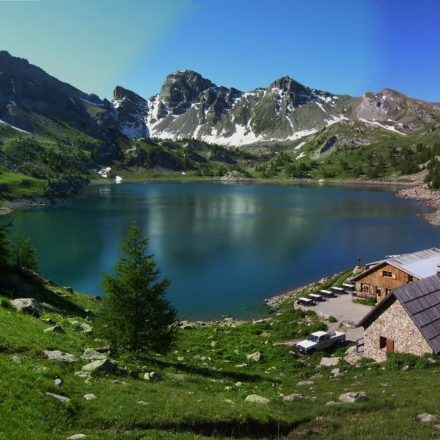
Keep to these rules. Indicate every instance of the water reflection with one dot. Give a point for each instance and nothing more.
(225, 247)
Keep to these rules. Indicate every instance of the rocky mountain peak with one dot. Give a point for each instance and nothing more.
(121, 93)
(182, 88)
(287, 84)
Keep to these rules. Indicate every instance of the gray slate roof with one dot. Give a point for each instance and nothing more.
(421, 300)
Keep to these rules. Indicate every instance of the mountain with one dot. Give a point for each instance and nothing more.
(190, 106)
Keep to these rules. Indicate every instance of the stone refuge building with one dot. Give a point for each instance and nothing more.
(406, 321)
(378, 280)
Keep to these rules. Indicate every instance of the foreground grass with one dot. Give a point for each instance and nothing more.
(205, 382)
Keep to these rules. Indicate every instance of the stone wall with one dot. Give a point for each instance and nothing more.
(395, 324)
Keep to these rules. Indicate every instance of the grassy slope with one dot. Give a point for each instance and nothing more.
(205, 402)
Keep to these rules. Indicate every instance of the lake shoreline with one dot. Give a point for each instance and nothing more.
(9, 206)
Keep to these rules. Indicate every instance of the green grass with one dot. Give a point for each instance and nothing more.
(204, 401)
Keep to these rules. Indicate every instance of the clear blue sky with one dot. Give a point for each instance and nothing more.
(343, 46)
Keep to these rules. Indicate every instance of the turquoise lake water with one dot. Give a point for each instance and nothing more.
(225, 247)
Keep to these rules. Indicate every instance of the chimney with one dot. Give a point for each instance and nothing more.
(438, 270)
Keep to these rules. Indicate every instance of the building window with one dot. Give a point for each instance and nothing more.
(410, 278)
(387, 274)
(378, 290)
(387, 291)
(365, 288)
(388, 344)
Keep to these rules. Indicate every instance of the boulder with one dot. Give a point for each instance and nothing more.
(27, 305)
(103, 365)
(16, 359)
(81, 327)
(329, 362)
(76, 437)
(58, 397)
(351, 350)
(59, 356)
(305, 382)
(90, 397)
(154, 377)
(58, 383)
(92, 355)
(55, 329)
(424, 418)
(332, 403)
(353, 358)
(336, 372)
(255, 398)
(254, 356)
(51, 309)
(352, 397)
(291, 397)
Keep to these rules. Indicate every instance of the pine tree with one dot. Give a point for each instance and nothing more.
(136, 315)
(4, 243)
(23, 253)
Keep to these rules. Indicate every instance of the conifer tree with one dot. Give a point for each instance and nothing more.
(23, 254)
(4, 243)
(136, 315)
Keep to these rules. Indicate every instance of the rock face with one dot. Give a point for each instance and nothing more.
(233, 176)
(255, 398)
(352, 397)
(27, 305)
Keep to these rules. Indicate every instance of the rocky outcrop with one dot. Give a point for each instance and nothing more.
(255, 398)
(27, 305)
(352, 397)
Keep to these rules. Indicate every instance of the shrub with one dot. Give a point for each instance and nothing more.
(5, 303)
(396, 361)
(332, 319)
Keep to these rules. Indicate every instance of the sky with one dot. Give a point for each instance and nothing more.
(341, 46)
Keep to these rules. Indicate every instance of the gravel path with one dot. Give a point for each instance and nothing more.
(342, 308)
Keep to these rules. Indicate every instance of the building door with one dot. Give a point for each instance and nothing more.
(378, 293)
(389, 346)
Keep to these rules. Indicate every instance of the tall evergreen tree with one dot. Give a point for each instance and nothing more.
(136, 314)
(23, 254)
(4, 243)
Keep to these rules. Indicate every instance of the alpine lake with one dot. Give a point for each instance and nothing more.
(225, 247)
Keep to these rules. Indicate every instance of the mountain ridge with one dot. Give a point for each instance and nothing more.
(191, 106)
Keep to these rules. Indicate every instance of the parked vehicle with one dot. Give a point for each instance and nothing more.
(319, 341)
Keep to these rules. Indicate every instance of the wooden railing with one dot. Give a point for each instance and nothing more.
(359, 344)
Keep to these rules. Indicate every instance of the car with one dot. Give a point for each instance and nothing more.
(319, 341)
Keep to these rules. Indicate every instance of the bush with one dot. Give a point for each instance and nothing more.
(332, 319)
(396, 361)
(5, 303)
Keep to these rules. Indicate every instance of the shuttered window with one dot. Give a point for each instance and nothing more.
(387, 274)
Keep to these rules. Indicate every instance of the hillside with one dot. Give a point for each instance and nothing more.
(198, 390)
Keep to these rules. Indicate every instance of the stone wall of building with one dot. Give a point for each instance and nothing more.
(395, 324)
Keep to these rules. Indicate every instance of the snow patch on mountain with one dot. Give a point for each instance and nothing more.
(386, 127)
(12, 126)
